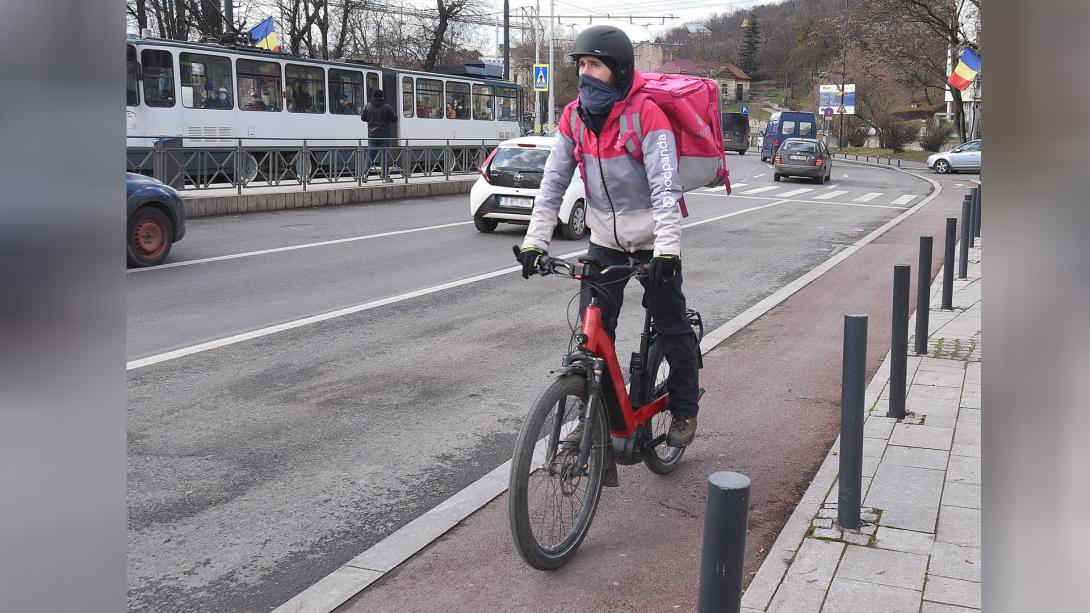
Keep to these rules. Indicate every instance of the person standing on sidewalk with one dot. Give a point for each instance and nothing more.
(380, 118)
(632, 208)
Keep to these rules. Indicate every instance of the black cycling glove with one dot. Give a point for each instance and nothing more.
(529, 258)
(662, 268)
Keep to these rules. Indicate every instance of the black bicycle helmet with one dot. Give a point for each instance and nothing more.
(610, 44)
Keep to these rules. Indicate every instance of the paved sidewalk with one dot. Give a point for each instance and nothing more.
(919, 547)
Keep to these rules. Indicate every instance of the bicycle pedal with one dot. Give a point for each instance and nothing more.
(609, 477)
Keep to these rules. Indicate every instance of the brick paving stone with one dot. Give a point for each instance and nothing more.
(935, 392)
(849, 596)
(814, 563)
(963, 469)
(971, 400)
(908, 496)
(952, 591)
(967, 433)
(942, 421)
(972, 451)
(823, 522)
(935, 459)
(874, 447)
(970, 416)
(856, 539)
(932, 406)
(956, 494)
(937, 607)
(930, 437)
(904, 540)
(795, 597)
(760, 590)
(878, 427)
(958, 525)
(955, 562)
(939, 378)
(827, 533)
(883, 566)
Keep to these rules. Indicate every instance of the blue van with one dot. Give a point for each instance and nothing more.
(784, 125)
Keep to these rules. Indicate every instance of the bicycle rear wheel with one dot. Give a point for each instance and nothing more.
(550, 507)
(662, 459)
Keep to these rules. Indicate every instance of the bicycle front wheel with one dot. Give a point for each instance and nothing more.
(662, 459)
(552, 502)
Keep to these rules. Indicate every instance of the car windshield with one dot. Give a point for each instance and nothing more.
(521, 158)
(800, 146)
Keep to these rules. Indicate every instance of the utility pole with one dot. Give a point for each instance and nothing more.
(552, 62)
(507, 42)
(229, 17)
(537, 60)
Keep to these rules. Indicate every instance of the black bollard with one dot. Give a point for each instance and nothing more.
(726, 519)
(963, 266)
(979, 207)
(852, 386)
(976, 211)
(923, 294)
(898, 375)
(972, 221)
(948, 264)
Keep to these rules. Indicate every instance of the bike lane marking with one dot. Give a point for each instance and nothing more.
(298, 323)
(338, 241)
(360, 572)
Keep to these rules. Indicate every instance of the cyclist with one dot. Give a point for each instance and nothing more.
(632, 208)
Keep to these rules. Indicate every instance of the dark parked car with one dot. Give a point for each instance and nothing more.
(803, 157)
(736, 132)
(156, 219)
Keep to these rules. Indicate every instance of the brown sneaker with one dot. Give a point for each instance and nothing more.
(682, 431)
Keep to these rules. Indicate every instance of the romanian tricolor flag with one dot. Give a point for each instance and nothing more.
(264, 35)
(966, 70)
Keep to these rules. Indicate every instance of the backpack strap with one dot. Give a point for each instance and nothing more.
(630, 127)
(578, 129)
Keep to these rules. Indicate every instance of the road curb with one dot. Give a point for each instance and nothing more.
(371, 565)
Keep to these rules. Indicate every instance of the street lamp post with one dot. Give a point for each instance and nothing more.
(552, 60)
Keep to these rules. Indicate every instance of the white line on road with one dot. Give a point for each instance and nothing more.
(868, 197)
(828, 195)
(795, 192)
(294, 247)
(298, 323)
(761, 175)
(766, 188)
(904, 199)
(371, 565)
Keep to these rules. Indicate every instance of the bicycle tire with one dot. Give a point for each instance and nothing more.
(662, 459)
(528, 476)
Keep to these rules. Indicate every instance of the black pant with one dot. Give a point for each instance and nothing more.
(666, 303)
(379, 147)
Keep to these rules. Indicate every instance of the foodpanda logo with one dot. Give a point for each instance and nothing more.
(664, 161)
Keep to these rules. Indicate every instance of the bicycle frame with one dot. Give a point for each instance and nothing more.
(623, 424)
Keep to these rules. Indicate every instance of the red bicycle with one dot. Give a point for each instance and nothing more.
(555, 484)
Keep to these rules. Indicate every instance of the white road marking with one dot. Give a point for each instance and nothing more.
(766, 188)
(760, 175)
(366, 568)
(904, 199)
(366, 306)
(828, 195)
(795, 192)
(294, 247)
(868, 197)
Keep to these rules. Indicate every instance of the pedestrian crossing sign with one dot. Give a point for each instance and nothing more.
(541, 77)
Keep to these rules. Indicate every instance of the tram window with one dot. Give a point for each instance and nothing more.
(306, 89)
(484, 102)
(206, 81)
(457, 100)
(372, 85)
(408, 100)
(507, 103)
(158, 69)
(429, 98)
(132, 91)
(347, 89)
(259, 85)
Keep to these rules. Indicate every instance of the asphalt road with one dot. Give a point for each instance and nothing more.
(258, 467)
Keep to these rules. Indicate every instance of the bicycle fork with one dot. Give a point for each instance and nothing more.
(593, 398)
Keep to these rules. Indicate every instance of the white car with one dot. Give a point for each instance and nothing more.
(510, 181)
(963, 157)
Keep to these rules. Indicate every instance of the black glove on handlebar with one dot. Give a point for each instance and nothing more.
(529, 258)
(662, 268)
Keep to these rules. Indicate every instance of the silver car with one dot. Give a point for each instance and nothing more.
(964, 157)
(802, 157)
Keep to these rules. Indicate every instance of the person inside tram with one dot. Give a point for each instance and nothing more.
(256, 103)
(300, 101)
(345, 107)
(219, 101)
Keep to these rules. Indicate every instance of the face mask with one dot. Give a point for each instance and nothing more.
(597, 96)
(223, 96)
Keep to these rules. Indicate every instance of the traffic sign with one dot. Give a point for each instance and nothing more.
(745, 110)
(837, 96)
(541, 77)
(842, 110)
(827, 112)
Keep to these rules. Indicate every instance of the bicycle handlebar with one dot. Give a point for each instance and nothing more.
(548, 265)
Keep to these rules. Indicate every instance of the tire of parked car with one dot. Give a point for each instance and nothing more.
(484, 225)
(942, 167)
(576, 226)
(150, 236)
(741, 152)
(776, 176)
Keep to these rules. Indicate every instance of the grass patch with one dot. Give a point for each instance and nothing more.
(912, 156)
(755, 110)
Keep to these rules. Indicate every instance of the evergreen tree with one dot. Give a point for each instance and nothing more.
(751, 32)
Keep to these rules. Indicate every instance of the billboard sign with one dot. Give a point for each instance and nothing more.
(834, 97)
